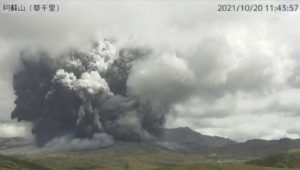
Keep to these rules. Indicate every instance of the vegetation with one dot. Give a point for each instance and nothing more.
(219, 166)
(258, 148)
(11, 163)
(136, 156)
(133, 156)
(282, 160)
(147, 156)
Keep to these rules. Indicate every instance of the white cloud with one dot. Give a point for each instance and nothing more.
(15, 129)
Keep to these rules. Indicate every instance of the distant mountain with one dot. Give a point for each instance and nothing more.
(6, 142)
(182, 148)
(185, 135)
(258, 147)
(185, 139)
(280, 160)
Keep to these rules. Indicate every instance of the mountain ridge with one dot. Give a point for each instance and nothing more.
(184, 139)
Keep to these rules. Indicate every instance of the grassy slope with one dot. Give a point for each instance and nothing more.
(220, 166)
(283, 160)
(133, 156)
(122, 156)
(258, 148)
(9, 163)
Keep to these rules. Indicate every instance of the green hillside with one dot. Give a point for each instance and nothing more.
(12, 163)
(259, 148)
(134, 156)
(142, 156)
(220, 166)
(282, 160)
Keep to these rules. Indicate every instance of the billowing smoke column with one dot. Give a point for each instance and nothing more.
(92, 97)
(83, 95)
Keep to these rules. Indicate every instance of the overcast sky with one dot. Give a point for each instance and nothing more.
(242, 67)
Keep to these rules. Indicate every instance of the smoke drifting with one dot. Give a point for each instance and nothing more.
(93, 97)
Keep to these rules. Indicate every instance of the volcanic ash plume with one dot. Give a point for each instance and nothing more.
(91, 98)
(81, 95)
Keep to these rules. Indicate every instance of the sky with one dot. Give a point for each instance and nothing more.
(229, 74)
